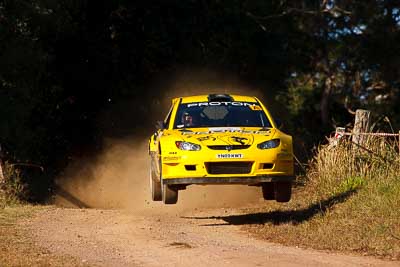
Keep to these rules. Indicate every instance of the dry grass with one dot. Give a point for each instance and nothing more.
(350, 203)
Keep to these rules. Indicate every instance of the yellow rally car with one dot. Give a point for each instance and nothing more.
(220, 139)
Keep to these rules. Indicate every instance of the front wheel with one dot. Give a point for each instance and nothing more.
(155, 187)
(169, 194)
(283, 191)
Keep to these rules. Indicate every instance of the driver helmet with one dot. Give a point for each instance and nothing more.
(187, 119)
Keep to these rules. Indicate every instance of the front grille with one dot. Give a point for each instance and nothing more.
(228, 167)
(228, 147)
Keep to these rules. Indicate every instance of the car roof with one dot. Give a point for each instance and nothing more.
(205, 98)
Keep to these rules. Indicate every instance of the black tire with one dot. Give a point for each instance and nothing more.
(155, 186)
(169, 194)
(268, 191)
(283, 191)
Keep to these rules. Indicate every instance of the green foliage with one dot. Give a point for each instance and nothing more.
(298, 96)
(350, 184)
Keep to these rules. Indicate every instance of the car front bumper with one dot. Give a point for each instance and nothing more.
(254, 180)
(207, 168)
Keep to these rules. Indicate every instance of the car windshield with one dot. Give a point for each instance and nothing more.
(220, 114)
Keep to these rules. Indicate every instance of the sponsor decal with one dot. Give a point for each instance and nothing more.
(171, 158)
(252, 106)
(228, 130)
(205, 138)
(255, 107)
(229, 156)
(241, 140)
(224, 129)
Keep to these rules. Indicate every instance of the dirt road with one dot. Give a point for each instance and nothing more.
(195, 232)
(170, 238)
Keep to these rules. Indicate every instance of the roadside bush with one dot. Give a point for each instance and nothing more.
(369, 220)
(13, 188)
(25, 182)
(344, 167)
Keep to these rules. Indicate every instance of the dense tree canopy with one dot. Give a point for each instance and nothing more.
(74, 71)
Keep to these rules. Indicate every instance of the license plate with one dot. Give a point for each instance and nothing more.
(229, 156)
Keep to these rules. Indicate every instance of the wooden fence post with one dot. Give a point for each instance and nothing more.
(361, 125)
(2, 179)
(399, 142)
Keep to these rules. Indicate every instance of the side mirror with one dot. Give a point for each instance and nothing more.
(278, 123)
(160, 125)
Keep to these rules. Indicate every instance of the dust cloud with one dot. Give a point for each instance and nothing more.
(119, 177)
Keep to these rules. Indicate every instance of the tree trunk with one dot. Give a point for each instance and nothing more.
(361, 125)
(325, 101)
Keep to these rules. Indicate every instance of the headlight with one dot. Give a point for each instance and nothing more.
(269, 144)
(187, 146)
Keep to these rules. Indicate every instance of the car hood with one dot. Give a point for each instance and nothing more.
(226, 136)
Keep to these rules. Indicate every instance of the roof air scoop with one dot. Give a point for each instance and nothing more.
(219, 97)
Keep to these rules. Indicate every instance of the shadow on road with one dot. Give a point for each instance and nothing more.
(71, 198)
(280, 217)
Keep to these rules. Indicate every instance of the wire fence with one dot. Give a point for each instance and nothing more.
(341, 131)
(374, 134)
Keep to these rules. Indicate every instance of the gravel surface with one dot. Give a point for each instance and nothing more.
(171, 238)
